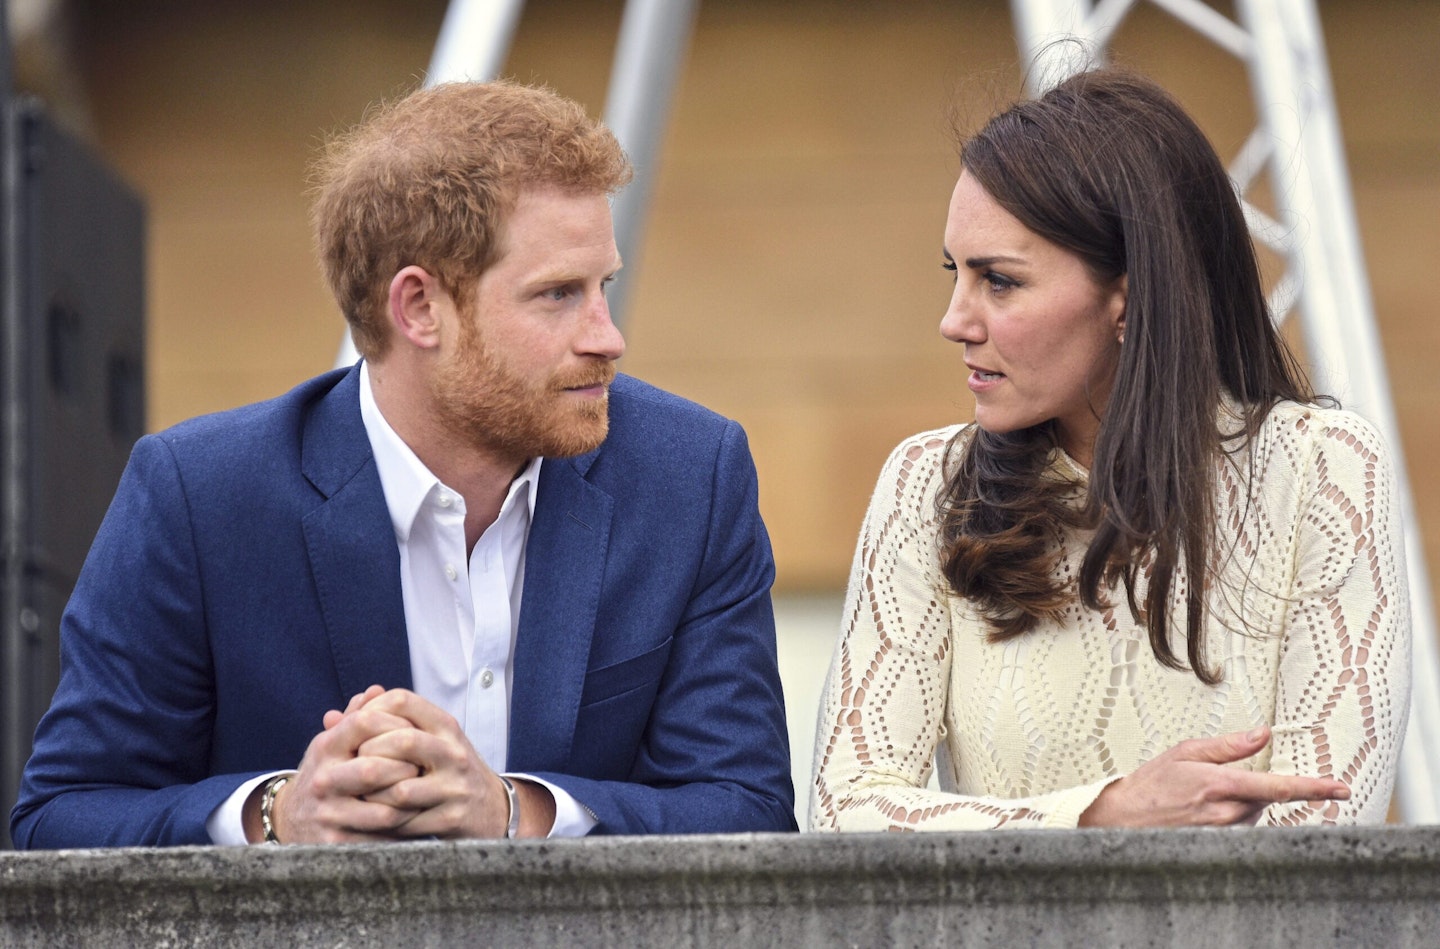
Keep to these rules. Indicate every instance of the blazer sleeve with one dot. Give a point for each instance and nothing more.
(121, 757)
(715, 753)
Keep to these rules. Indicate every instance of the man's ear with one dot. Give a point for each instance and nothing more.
(416, 305)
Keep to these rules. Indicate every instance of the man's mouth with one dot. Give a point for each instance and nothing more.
(591, 384)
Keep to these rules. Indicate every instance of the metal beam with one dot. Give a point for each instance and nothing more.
(654, 37)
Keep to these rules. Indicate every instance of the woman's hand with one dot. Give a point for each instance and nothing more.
(1190, 785)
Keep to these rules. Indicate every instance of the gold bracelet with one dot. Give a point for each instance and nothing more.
(267, 805)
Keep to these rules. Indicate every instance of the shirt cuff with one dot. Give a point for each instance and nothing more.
(572, 819)
(226, 824)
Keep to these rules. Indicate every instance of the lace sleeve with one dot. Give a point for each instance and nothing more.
(1344, 688)
(882, 714)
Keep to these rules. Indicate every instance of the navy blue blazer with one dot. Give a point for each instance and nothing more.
(246, 579)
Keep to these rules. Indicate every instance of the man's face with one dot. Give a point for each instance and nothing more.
(528, 370)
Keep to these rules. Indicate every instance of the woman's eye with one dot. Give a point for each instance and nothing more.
(998, 282)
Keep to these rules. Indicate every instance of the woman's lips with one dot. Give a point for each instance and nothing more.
(982, 379)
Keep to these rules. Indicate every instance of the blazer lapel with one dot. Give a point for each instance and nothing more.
(564, 564)
(351, 543)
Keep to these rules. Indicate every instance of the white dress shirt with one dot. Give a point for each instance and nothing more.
(461, 613)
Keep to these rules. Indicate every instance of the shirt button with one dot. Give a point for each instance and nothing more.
(487, 679)
(450, 571)
(446, 500)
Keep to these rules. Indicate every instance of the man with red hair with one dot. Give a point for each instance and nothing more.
(477, 585)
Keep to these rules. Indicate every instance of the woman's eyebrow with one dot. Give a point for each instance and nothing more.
(975, 263)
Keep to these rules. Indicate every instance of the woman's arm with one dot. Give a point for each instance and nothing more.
(1344, 680)
(883, 713)
(882, 716)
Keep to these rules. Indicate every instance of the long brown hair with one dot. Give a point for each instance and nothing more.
(1109, 167)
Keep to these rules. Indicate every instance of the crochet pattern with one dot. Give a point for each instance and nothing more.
(1307, 617)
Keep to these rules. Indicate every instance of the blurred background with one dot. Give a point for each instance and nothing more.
(789, 274)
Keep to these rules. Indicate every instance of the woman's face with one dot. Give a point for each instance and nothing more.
(1041, 334)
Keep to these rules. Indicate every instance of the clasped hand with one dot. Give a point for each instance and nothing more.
(391, 765)
(1190, 785)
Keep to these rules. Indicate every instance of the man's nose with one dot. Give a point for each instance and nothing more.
(601, 336)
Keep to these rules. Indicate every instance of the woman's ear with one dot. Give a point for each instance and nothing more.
(1118, 296)
(416, 301)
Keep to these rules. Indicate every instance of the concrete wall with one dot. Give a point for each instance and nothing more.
(1351, 887)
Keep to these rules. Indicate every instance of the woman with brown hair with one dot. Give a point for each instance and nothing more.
(1158, 582)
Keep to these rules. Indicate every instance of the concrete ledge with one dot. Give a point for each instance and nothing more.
(1211, 888)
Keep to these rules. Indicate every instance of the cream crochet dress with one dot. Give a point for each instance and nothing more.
(1309, 625)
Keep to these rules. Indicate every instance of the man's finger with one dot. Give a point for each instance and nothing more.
(425, 751)
(357, 701)
(426, 715)
(414, 794)
(352, 731)
(365, 776)
(366, 818)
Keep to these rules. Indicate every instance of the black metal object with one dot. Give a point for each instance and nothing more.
(72, 395)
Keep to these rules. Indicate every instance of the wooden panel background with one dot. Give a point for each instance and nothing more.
(790, 273)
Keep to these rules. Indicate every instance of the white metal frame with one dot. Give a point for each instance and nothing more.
(654, 36)
(1298, 139)
(475, 38)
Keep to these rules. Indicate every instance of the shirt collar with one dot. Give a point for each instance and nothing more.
(406, 482)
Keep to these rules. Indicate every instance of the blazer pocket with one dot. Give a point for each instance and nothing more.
(621, 677)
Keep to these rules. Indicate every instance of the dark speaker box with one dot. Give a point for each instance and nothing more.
(72, 397)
